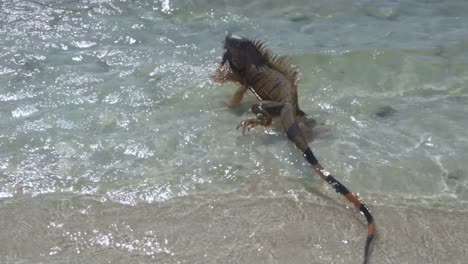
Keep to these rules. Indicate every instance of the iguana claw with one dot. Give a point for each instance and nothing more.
(248, 124)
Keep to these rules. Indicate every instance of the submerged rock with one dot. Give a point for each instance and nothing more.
(455, 175)
(385, 111)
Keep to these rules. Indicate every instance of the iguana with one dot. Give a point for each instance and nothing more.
(273, 80)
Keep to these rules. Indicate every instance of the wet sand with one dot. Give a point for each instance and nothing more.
(235, 227)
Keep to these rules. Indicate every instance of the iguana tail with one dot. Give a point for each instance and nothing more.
(295, 136)
(340, 188)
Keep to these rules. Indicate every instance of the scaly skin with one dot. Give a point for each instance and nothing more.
(274, 81)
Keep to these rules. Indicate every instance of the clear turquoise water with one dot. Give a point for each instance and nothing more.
(115, 146)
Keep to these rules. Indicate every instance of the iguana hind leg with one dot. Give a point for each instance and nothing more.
(265, 111)
(292, 128)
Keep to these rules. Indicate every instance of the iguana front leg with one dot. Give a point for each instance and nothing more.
(224, 74)
(237, 97)
(265, 111)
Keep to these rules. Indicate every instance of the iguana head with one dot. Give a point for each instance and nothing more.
(241, 53)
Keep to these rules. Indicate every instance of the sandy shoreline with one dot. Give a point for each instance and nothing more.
(229, 228)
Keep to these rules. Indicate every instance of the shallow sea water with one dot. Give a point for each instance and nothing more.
(115, 146)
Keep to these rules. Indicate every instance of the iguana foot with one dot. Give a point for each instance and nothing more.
(231, 104)
(249, 124)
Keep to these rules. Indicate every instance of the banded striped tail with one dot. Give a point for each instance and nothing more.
(340, 188)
